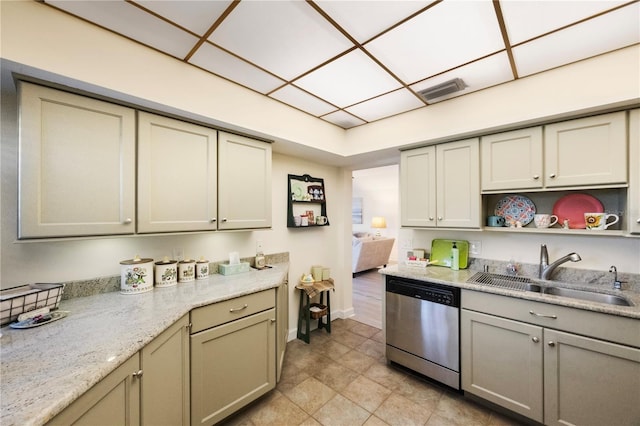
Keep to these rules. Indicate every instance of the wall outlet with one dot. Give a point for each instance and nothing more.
(259, 246)
(475, 247)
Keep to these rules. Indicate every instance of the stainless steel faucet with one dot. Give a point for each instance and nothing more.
(617, 284)
(547, 269)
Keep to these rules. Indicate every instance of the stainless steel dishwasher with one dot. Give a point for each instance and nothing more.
(423, 328)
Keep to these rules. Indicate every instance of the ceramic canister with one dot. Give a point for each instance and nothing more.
(202, 269)
(186, 270)
(166, 272)
(136, 275)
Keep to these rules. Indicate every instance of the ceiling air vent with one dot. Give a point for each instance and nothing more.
(442, 89)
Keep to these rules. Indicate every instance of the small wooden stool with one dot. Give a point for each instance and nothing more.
(305, 314)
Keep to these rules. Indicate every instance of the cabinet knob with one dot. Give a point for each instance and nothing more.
(137, 373)
(213, 219)
(638, 220)
(273, 320)
(552, 175)
(551, 343)
(128, 221)
(440, 217)
(431, 218)
(224, 219)
(535, 339)
(536, 177)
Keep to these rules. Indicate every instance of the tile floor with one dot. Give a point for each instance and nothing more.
(342, 378)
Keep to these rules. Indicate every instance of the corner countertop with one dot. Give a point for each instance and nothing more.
(442, 275)
(44, 369)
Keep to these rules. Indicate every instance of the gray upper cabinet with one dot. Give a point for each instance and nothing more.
(177, 175)
(634, 171)
(76, 166)
(512, 160)
(244, 182)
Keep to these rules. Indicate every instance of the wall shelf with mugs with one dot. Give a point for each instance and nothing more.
(527, 208)
(307, 202)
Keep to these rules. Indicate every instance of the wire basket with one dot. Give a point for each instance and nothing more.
(319, 312)
(18, 300)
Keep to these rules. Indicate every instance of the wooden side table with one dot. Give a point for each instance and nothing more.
(304, 313)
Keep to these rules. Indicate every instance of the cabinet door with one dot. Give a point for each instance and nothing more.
(502, 362)
(634, 171)
(512, 160)
(232, 365)
(244, 189)
(587, 151)
(457, 182)
(115, 400)
(165, 383)
(418, 187)
(590, 382)
(177, 179)
(76, 165)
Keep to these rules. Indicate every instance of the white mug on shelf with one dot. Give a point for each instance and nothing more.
(598, 221)
(545, 220)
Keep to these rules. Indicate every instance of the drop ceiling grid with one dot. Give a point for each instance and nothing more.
(349, 62)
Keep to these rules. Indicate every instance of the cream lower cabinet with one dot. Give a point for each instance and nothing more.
(164, 395)
(551, 376)
(177, 175)
(233, 355)
(244, 182)
(151, 388)
(439, 185)
(76, 165)
(282, 306)
(115, 400)
(634, 171)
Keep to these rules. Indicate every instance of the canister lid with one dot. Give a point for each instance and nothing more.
(187, 261)
(203, 260)
(135, 261)
(165, 261)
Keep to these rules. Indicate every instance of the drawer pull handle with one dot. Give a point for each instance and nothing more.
(238, 309)
(543, 315)
(137, 373)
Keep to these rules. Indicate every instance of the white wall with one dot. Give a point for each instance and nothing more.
(379, 189)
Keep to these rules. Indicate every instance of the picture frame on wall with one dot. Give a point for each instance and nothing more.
(356, 210)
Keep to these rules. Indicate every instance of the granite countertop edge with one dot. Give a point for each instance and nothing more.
(446, 276)
(44, 369)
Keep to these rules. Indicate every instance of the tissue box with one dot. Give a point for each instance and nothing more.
(226, 269)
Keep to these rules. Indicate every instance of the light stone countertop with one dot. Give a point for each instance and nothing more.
(442, 275)
(46, 368)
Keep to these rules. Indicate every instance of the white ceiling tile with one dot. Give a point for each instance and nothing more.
(348, 80)
(478, 75)
(343, 119)
(302, 100)
(132, 22)
(366, 19)
(527, 19)
(196, 16)
(392, 103)
(614, 30)
(223, 64)
(445, 36)
(286, 38)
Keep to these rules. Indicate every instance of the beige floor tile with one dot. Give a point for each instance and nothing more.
(335, 376)
(278, 411)
(400, 411)
(459, 411)
(375, 421)
(384, 375)
(348, 338)
(366, 393)
(310, 394)
(364, 330)
(420, 391)
(372, 348)
(356, 361)
(378, 337)
(334, 350)
(310, 421)
(498, 419)
(340, 411)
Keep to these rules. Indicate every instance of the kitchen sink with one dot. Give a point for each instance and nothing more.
(590, 296)
(527, 284)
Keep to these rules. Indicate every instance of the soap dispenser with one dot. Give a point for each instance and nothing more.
(260, 260)
(455, 257)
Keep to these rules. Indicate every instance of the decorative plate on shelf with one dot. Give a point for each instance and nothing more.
(574, 206)
(516, 208)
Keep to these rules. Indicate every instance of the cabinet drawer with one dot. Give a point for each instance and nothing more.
(230, 310)
(598, 325)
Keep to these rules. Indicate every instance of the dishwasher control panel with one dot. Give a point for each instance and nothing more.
(430, 292)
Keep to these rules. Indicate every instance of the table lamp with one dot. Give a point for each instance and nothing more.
(378, 222)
